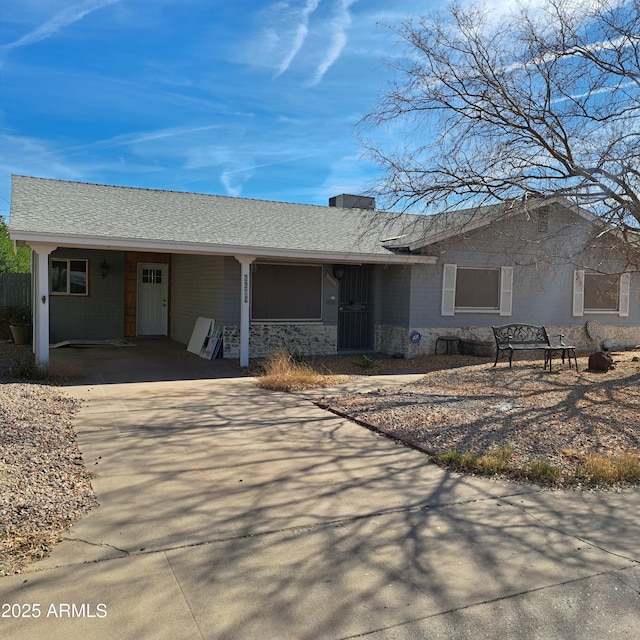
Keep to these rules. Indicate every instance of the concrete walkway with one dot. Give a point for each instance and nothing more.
(227, 512)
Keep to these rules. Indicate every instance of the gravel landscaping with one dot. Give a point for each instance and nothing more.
(564, 418)
(44, 486)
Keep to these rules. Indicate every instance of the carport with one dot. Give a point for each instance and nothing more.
(112, 262)
(138, 360)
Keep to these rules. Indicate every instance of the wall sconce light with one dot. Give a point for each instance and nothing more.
(104, 269)
(338, 271)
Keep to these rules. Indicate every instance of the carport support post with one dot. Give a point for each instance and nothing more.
(245, 306)
(40, 303)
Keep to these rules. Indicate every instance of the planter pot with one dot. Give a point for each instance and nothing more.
(21, 335)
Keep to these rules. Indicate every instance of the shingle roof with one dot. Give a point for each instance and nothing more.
(61, 209)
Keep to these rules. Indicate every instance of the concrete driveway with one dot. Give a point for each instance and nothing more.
(227, 512)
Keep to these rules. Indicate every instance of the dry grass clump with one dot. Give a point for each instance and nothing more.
(609, 470)
(495, 460)
(282, 372)
(592, 469)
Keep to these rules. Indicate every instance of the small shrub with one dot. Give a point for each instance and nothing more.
(497, 459)
(365, 362)
(542, 472)
(448, 458)
(282, 372)
(466, 461)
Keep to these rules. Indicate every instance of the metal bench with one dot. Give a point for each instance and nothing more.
(529, 337)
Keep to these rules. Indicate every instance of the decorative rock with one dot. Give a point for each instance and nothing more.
(600, 361)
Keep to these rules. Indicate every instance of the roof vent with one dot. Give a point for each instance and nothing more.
(346, 201)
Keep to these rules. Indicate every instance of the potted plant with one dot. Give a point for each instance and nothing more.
(20, 327)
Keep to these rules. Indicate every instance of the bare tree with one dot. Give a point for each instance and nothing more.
(543, 101)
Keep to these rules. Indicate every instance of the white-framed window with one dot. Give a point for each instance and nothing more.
(476, 290)
(69, 277)
(151, 276)
(601, 293)
(286, 292)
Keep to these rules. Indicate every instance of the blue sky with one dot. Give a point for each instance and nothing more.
(243, 97)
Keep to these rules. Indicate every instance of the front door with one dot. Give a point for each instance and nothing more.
(153, 299)
(355, 316)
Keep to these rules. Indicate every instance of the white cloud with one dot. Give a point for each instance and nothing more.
(234, 180)
(304, 32)
(339, 26)
(283, 30)
(300, 32)
(24, 155)
(62, 19)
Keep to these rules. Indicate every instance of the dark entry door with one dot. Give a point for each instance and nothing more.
(355, 316)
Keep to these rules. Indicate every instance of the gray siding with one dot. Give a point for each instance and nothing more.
(209, 286)
(98, 316)
(394, 284)
(231, 311)
(330, 304)
(425, 295)
(197, 289)
(543, 274)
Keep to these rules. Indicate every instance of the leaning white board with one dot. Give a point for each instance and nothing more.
(201, 332)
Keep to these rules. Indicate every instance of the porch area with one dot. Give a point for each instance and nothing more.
(145, 360)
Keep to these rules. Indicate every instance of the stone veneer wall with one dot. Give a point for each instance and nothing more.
(621, 337)
(390, 339)
(305, 339)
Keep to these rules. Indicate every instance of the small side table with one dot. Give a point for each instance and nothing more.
(449, 341)
(562, 350)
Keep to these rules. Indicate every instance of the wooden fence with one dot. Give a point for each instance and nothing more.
(15, 291)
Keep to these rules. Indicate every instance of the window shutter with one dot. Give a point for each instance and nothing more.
(578, 292)
(625, 286)
(506, 290)
(449, 289)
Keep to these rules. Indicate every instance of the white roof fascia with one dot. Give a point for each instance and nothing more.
(130, 244)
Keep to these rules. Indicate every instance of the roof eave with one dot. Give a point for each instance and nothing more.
(133, 244)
